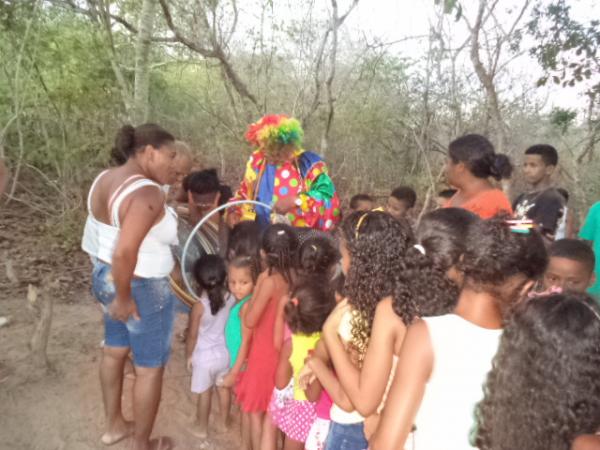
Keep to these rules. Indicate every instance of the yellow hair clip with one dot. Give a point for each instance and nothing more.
(362, 219)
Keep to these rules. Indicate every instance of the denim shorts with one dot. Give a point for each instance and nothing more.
(149, 337)
(346, 437)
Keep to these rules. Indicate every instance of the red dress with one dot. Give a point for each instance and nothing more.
(255, 387)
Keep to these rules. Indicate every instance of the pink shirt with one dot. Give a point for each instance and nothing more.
(324, 406)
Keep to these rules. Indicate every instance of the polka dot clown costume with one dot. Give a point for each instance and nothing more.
(281, 169)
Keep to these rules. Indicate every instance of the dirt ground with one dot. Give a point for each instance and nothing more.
(61, 408)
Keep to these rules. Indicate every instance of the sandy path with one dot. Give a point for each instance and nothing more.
(63, 409)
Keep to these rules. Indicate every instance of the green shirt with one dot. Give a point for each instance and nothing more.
(233, 330)
(591, 232)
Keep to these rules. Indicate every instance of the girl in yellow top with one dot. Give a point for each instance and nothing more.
(305, 313)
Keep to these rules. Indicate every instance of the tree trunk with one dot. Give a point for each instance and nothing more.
(141, 89)
(487, 80)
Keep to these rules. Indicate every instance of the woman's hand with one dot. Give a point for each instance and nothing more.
(332, 323)
(188, 364)
(121, 309)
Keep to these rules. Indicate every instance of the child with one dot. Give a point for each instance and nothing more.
(254, 390)
(207, 355)
(544, 388)
(244, 240)
(372, 246)
(317, 256)
(305, 314)
(571, 266)
(241, 277)
(362, 202)
(543, 204)
(400, 201)
(444, 359)
(427, 285)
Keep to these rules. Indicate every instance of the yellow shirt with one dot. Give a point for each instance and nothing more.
(301, 345)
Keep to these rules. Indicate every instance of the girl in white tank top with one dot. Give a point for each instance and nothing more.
(444, 360)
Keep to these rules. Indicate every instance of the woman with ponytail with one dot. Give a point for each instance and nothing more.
(128, 235)
(206, 350)
(471, 163)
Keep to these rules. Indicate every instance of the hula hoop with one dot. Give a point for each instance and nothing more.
(187, 283)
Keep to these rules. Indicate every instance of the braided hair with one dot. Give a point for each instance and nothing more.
(279, 243)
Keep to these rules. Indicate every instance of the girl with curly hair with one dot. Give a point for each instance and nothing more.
(423, 286)
(254, 389)
(544, 387)
(371, 246)
(444, 359)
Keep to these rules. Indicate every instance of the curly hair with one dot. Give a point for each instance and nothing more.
(422, 285)
(494, 253)
(376, 243)
(280, 243)
(544, 386)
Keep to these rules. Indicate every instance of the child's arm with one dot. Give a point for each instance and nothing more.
(404, 399)
(229, 379)
(330, 383)
(313, 391)
(365, 387)
(192, 337)
(279, 327)
(259, 301)
(283, 374)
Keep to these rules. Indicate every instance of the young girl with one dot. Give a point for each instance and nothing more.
(544, 388)
(254, 390)
(444, 359)
(430, 262)
(305, 314)
(241, 277)
(207, 355)
(372, 245)
(317, 256)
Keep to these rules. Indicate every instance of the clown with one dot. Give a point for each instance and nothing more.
(282, 174)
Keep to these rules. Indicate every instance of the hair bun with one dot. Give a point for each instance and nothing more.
(501, 167)
(124, 144)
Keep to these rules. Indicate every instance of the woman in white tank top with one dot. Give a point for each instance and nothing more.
(128, 235)
(444, 360)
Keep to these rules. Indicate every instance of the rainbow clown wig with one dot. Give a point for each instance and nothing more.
(274, 131)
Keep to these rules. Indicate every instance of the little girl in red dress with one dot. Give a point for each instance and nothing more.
(256, 385)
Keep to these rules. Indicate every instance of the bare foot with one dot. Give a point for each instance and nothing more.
(198, 431)
(119, 433)
(223, 426)
(161, 443)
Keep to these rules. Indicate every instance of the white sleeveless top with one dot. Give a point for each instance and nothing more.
(462, 358)
(155, 259)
